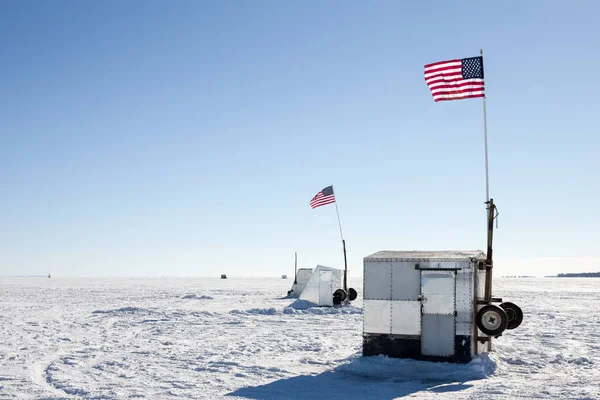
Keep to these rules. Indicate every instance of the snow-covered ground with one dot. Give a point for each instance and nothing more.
(160, 338)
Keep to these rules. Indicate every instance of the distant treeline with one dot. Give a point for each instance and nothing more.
(580, 275)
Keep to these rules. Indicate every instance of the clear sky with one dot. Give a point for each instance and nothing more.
(188, 137)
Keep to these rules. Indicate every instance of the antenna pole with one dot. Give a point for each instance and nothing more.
(295, 268)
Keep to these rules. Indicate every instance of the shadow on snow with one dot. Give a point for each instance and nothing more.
(374, 378)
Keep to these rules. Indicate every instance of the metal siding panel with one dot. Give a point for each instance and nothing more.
(464, 300)
(377, 278)
(376, 314)
(464, 328)
(406, 317)
(406, 281)
(464, 296)
(437, 290)
(437, 338)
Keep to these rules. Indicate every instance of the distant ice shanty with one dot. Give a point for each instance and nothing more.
(431, 305)
(321, 286)
(223, 276)
(302, 277)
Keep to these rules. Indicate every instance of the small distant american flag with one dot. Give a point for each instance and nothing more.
(324, 197)
(455, 79)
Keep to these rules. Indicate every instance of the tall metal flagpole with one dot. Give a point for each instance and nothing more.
(343, 246)
(491, 211)
(487, 179)
(491, 214)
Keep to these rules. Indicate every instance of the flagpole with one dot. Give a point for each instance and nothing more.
(339, 223)
(491, 210)
(343, 246)
(487, 179)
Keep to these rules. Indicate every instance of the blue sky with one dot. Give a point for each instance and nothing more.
(187, 138)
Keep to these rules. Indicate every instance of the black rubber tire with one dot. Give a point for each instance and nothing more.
(352, 294)
(514, 313)
(338, 297)
(492, 320)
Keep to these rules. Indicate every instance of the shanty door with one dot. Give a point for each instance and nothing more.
(438, 292)
(325, 292)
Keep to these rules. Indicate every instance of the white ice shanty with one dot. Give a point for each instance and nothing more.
(321, 286)
(317, 285)
(431, 305)
(323, 283)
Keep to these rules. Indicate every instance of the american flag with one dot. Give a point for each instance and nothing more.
(455, 79)
(324, 197)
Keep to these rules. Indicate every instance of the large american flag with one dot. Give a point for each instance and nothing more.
(324, 197)
(455, 79)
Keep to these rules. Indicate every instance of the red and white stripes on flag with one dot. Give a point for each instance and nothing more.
(456, 79)
(324, 197)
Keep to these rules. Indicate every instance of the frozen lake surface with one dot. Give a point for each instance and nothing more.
(195, 338)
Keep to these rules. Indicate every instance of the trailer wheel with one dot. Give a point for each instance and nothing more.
(514, 313)
(339, 296)
(492, 320)
(352, 295)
